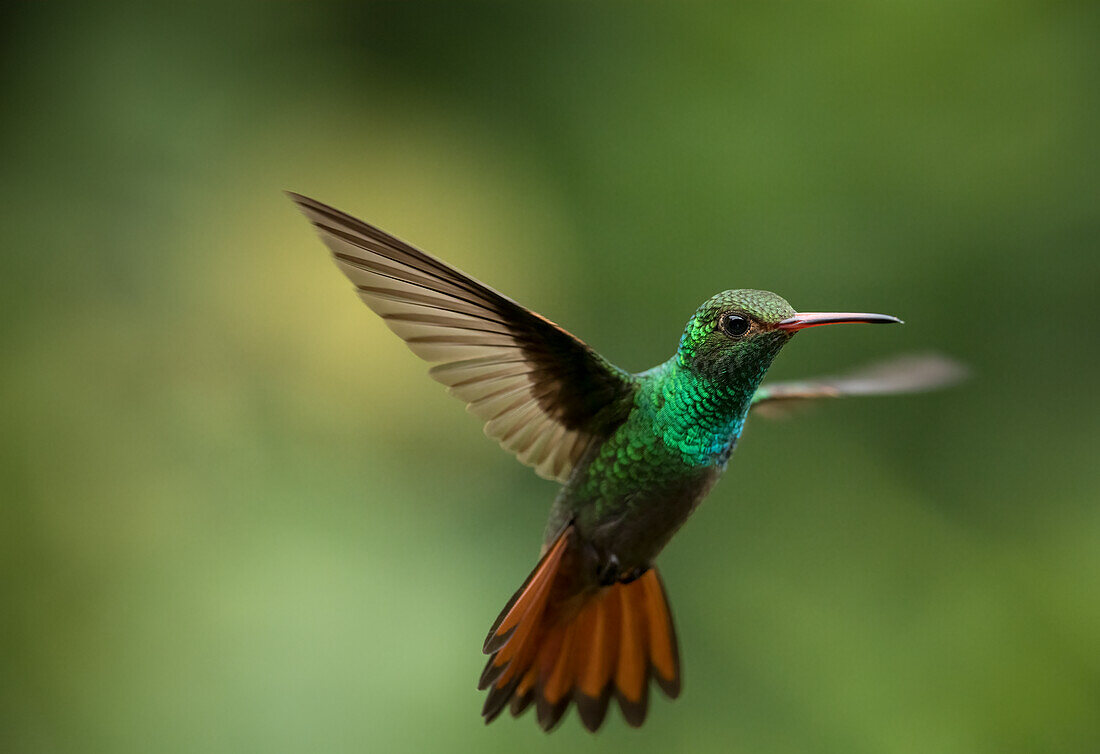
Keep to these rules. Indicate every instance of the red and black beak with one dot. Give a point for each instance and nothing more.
(816, 319)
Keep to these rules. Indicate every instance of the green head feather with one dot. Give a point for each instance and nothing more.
(697, 401)
(709, 350)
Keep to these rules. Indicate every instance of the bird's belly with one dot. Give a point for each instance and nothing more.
(633, 515)
(647, 522)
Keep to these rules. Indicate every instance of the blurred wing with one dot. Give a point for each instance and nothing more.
(907, 374)
(543, 394)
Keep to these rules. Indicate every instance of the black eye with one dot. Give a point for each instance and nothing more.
(734, 325)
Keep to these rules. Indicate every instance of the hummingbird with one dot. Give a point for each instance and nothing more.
(635, 454)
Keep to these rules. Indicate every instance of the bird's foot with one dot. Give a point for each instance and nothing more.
(609, 572)
(612, 573)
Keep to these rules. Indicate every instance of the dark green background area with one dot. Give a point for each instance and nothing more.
(237, 516)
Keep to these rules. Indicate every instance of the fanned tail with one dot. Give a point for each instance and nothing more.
(557, 641)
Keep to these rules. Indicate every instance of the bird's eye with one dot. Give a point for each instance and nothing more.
(734, 325)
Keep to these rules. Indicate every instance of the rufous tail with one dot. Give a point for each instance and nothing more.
(557, 642)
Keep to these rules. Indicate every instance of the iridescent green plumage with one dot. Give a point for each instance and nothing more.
(635, 453)
(688, 413)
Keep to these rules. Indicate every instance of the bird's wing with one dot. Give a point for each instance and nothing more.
(543, 393)
(906, 374)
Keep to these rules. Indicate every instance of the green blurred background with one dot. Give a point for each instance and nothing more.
(237, 516)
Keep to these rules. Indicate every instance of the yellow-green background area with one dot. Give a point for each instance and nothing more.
(238, 517)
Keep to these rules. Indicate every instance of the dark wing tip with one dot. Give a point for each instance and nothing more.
(301, 200)
(312, 209)
(318, 212)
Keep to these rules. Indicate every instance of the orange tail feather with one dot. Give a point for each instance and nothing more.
(553, 645)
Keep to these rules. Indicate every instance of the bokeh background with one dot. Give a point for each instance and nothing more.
(237, 516)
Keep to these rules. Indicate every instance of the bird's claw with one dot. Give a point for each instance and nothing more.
(611, 572)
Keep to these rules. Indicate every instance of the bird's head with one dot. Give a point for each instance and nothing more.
(734, 335)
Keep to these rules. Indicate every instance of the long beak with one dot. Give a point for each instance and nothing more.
(815, 319)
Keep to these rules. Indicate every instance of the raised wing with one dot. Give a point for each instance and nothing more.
(543, 393)
(906, 374)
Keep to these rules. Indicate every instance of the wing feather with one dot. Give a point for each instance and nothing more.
(906, 374)
(542, 393)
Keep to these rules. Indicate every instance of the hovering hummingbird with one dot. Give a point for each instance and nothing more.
(635, 454)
